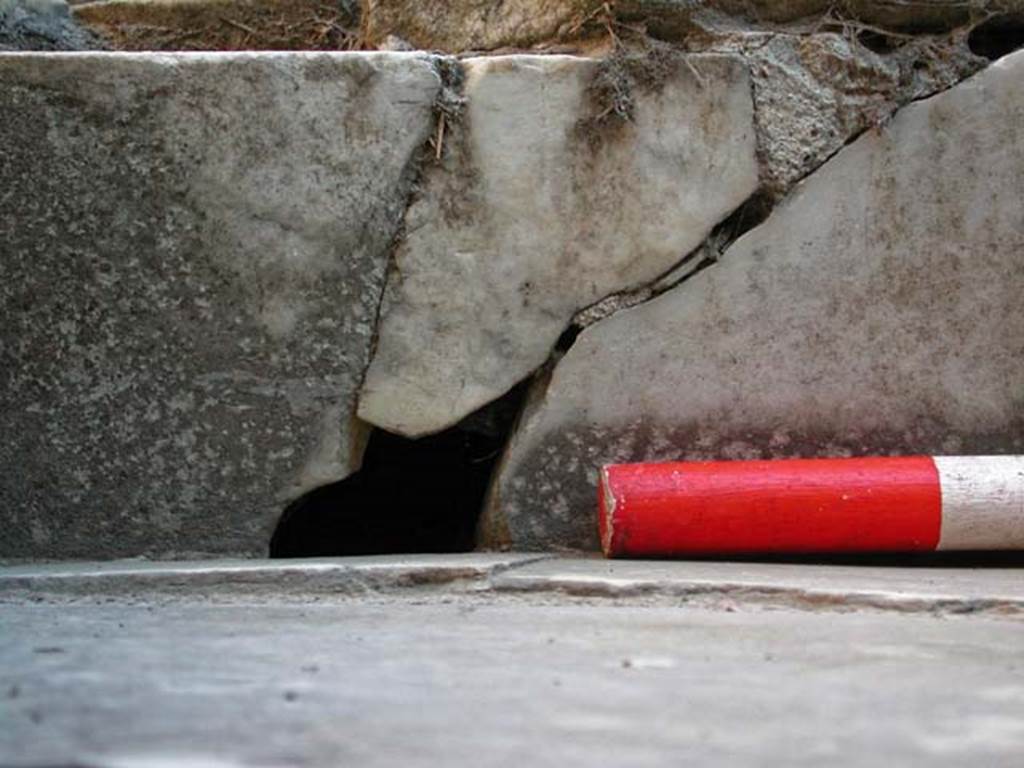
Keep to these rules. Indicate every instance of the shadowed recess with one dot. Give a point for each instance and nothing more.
(998, 36)
(411, 495)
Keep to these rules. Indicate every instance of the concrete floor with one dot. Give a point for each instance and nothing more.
(501, 660)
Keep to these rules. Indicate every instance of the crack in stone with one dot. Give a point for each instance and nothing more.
(448, 106)
(748, 215)
(727, 596)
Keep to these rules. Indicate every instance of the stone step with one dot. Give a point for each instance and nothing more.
(458, 677)
(238, 578)
(934, 586)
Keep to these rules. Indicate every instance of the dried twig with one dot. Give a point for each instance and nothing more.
(439, 141)
(584, 20)
(239, 25)
(699, 77)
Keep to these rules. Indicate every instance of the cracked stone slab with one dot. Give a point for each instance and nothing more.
(996, 590)
(876, 311)
(193, 250)
(542, 206)
(238, 578)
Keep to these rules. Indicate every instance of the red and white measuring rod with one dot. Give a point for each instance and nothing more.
(884, 504)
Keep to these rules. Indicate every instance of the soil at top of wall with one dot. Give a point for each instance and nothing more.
(173, 25)
(224, 25)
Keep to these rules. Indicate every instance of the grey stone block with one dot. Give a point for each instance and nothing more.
(192, 250)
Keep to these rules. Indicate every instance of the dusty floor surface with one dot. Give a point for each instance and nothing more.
(460, 661)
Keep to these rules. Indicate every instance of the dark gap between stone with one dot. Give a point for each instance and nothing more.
(998, 36)
(568, 338)
(411, 495)
(878, 42)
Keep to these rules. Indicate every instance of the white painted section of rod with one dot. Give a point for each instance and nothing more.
(982, 502)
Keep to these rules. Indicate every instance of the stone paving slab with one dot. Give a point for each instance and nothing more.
(498, 679)
(815, 585)
(968, 587)
(240, 577)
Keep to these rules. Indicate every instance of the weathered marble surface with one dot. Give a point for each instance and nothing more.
(544, 205)
(192, 251)
(877, 310)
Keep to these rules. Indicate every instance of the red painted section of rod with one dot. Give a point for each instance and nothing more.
(792, 505)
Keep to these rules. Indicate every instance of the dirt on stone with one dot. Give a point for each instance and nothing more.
(225, 25)
(616, 80)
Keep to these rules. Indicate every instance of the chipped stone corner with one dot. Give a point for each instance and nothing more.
(337, 453)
